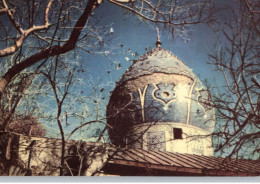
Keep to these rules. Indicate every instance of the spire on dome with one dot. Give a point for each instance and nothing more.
(158, 42)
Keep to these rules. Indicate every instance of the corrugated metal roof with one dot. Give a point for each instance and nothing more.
(189, 163)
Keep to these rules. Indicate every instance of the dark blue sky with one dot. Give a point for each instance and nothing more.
(137, 35)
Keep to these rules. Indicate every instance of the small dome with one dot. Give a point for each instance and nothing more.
(158, 87)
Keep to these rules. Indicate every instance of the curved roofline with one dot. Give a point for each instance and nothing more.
(186, 71)
(120, 83)
(158, 49)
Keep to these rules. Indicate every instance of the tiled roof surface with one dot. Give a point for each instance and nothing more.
(157, 60)
(187, 163)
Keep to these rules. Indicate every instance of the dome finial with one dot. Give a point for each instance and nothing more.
(158, 42)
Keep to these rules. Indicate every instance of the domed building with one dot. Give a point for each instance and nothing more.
(160, 105)
(161, 118)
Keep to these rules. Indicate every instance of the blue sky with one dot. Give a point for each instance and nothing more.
(136, 36)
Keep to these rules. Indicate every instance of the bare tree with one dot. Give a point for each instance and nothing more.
(38, 36)
(71, 115)
(253, 11)
(237, 104)
(63, 24)
(26, 125)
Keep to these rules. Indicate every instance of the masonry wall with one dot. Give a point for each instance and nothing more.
(36, 156)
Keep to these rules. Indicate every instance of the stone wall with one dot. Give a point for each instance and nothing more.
(39, 156)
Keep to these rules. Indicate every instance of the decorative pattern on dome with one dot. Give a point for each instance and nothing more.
(202, 112)
(158, 87)
(165, 92)
(198, 147)
(157, 60)
(156, 141)
(205, 100)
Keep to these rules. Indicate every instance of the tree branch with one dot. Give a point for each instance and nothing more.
(53, 50)
(84, 124)
(24, 34)
(155, 20)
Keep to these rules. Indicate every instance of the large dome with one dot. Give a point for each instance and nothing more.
(158, 88)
